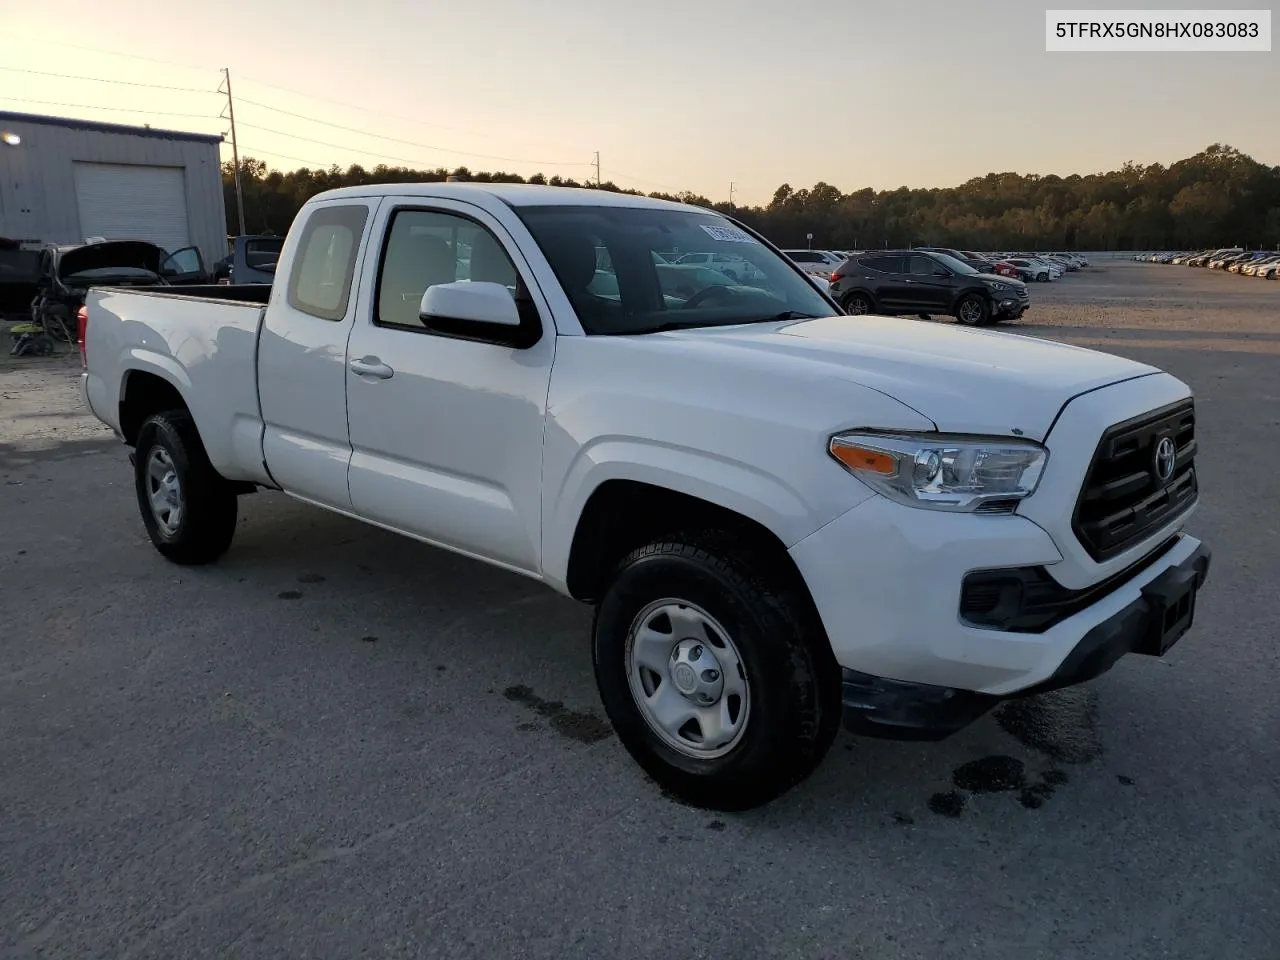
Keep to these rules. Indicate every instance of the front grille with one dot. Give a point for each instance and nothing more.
(1123, 499)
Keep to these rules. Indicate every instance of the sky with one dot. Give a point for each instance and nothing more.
(673, 95)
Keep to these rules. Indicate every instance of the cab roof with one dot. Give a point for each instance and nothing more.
(512, 194)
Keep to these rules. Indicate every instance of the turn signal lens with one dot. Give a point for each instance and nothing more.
(864, 458)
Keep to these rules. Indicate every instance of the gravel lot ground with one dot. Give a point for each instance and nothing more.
(340, 743)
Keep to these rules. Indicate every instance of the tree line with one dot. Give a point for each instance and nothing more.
(1218, 197)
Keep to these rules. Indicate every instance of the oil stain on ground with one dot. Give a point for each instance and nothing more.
(995, 774)
(947, 804)
(576, 725)
(1062, 725)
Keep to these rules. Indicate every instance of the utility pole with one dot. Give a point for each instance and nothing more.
(235, 149)
(596, 163)
(731, 189)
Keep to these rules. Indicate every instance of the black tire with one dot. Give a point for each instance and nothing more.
(858, 303)
(792, 679)
(973, 311)
(1043, 278)
(207, 520)
(924, 316)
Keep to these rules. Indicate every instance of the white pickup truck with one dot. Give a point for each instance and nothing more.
(784, 516)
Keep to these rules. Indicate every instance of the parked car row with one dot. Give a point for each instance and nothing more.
(1264, 264)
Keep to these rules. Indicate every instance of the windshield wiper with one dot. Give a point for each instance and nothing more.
(692, 324)
(789, 315)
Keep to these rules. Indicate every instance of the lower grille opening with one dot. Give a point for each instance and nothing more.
(1029, 600)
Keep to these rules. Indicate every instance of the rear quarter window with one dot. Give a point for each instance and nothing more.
(325, 260)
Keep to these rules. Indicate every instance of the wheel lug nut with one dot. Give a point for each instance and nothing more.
(695, 653)
(710, 676)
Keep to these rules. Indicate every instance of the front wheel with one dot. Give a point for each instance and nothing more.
(713, 672)
(973, 311)
(189, 510)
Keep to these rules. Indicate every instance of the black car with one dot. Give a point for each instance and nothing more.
(924, 283)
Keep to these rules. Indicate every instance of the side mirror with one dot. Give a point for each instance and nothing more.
(469, 301)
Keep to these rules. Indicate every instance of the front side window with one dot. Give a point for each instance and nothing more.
(643, 292)
(428, 247)
(325, 262)
(186, 260)
(922, 266)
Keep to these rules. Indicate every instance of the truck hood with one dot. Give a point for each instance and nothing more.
(964, 380)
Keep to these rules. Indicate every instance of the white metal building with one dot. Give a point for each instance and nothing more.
(63, 181)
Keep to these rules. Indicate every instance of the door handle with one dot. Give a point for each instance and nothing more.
(371, 367)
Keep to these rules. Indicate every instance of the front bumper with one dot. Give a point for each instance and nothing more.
(887, 580)
(1148, 625)
(1010, 307)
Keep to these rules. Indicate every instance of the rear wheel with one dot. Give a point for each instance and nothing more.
(189, 510)
(858, 303)
(713, 671)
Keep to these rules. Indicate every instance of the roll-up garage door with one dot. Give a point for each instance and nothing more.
(133, 202)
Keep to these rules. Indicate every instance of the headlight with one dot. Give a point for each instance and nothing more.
(996, 286)
(941, 472)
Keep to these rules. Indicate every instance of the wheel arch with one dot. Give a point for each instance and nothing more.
(145, 392)
(622, 513)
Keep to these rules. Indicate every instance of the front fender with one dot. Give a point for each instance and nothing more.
(748, 490)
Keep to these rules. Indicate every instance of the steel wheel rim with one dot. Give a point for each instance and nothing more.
(970, 312)
(688, 680)
(164, 491)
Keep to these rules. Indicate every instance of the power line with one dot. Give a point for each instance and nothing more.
(63, 45)
(363, 108)
(375, 153)
(90, 106)
(249, 151)
(660, 186)
(408, 143)
(123, 83)
(335, 146)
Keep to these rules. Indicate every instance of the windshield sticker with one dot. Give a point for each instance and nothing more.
(726, 233)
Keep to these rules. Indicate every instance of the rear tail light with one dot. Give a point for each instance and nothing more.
(82, 327)
(835, 274)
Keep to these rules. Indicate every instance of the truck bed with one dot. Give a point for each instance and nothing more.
(258, 293)
(174, 333)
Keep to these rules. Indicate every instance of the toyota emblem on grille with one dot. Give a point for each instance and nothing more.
(1166, 455)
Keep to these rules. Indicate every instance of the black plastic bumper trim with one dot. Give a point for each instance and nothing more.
(1135, 629)
(898, 710)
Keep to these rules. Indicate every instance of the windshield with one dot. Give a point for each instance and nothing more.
(633, 289)
(954, 265)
